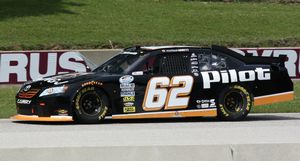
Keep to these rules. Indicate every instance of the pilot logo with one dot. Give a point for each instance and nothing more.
(231, 76)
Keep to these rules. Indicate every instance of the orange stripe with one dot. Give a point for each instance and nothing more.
(281, 97)
(198, 113)
(168, 114)
(36, 118)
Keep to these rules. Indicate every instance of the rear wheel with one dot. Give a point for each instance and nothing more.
(234, 103)
(91, 105)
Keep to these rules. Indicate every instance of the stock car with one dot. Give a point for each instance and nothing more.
(159, 82)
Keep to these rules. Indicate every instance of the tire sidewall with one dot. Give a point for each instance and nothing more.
(226, 114)
(83, 117)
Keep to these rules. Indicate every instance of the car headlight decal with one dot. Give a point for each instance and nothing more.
(54, 90)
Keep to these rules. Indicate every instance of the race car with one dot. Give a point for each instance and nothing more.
(159, 82)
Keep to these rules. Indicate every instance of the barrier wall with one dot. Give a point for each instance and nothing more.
(19, 66)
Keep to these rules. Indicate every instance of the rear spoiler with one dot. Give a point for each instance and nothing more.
(250, 59)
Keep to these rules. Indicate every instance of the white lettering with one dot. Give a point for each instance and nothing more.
(233, 75)
(243, 76)
(225, 78)
(64, 62)
(248, 75)
(292, 58)
(7, 68)
(263, 74)
(35, 65)
(207, 80)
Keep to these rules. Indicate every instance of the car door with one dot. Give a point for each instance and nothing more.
(163, 82)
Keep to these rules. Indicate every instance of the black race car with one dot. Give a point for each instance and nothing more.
(159, 82)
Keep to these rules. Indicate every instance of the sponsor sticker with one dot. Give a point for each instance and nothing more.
(62, 112)
(128, 85)
(194, 62)
(193, 55)
(127, 89)
(127, 93)
(128, 99)
(175, 50)
(23, 101)
(207, 103)
(129, 109)
(126, 79)
(128, 104)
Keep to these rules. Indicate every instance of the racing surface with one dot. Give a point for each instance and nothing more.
(257, 129)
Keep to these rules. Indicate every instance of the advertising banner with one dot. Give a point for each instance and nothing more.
(19, 67)
(293, 55)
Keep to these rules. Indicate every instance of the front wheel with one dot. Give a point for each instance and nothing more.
(91, 105)
(234, 103)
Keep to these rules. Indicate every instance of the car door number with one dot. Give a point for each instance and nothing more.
(161, 92)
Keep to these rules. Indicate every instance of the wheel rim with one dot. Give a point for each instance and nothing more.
(91, 103)
(234, 101)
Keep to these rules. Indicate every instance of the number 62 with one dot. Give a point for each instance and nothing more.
(158, 96)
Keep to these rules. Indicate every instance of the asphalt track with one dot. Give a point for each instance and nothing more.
(259, 137)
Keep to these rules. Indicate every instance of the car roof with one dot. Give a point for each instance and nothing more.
(247, 58)
(143, 49)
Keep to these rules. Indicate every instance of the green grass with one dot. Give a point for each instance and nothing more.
(69, 24)
(7, 99)
(7, 106)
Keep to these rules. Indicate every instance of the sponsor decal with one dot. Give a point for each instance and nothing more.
(92, 83)
(126, 79)
(127, 93)
(127, 89)
(230, 76)
(25, 66)
(207, 103)
(129, 109)
(128, 104)
(128, 85)
(194, 64)
(128, 99)
(138, 73)
(175, 50)
(62, 112)
(194, 67)
(195, 71)
(194, 55)
(23, 101)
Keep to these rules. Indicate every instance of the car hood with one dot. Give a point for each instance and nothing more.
(66, 78)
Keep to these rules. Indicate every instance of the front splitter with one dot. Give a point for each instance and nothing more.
(45, 119)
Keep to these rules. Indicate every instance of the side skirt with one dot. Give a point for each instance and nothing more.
(274, 98)
(169, 114)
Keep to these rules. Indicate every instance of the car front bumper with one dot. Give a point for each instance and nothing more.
(45, 119)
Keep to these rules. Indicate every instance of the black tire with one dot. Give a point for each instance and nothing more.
(91, 105)
(234, 103)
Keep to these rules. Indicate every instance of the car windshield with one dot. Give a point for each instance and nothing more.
(117, 64)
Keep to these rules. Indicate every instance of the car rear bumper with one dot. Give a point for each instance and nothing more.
(45, 119)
